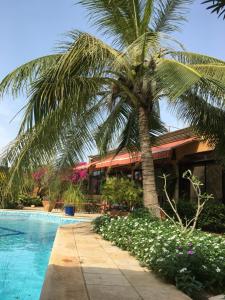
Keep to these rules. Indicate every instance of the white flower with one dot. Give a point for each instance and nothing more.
(218, 270)
(183, 270)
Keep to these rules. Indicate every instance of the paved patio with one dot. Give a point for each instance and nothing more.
(83, 266)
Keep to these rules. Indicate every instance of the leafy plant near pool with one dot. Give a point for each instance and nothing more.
(8, 195)
(122, 191)
(193, 262)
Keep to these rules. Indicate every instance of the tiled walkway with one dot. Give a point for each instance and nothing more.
(83, 266)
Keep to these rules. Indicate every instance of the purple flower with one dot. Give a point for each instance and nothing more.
(190, 244)
(179, 248)
(190, 252)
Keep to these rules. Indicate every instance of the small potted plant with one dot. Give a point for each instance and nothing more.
(72, 196)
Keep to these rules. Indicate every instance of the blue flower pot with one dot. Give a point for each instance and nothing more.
(69, 210)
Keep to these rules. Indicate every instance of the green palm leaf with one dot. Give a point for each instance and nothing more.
(169, 14)
(20, 79)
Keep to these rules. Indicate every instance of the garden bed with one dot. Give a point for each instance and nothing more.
(195, 264)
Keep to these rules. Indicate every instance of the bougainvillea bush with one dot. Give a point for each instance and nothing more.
(193, 263)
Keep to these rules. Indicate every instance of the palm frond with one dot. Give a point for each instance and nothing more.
(194, 58)
(20, 79)
(66, 137)
(120, 128)
(78, 72)
(216, 6)
(207, 120)
(207, 80)
(129, 137)
(146, 15)
(118, 19)
(169, 15)
(214, 71)
(175, 83)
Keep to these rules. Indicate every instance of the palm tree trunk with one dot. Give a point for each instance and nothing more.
(148, 172)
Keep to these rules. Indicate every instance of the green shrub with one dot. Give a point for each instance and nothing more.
(212, 218)
(143, 213)
(101, 221)
(190, 262)
(12, 204)
(27, 200)
(186, 210)
(121, 191)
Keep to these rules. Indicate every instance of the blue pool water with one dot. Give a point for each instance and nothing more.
(25, 245)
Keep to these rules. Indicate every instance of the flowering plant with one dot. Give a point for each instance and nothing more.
(190, 262)
(39, 175)
(76, 179)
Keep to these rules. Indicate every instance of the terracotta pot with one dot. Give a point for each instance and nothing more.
(48, 205)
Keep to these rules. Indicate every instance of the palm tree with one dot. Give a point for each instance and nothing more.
(94, 93)
(216, 6)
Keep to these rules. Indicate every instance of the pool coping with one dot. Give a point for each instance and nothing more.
(62, 267)
(60, 218)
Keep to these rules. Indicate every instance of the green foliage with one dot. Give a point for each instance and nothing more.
(54, 188)
(101, 221)
(73, 195)
(90, 205)
(213, 217)
(143, 213)
(27, 200)
(121, 191)
(186, 210)
(187, 225)
(8, 194)
(191, 262)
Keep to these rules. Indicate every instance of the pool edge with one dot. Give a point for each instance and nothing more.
(63, 267)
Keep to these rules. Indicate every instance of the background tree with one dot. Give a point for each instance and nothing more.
(92, 93)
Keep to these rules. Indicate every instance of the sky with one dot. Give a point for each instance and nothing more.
(31, 28)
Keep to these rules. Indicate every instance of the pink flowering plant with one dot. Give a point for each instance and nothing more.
(77, 176)
(48, 182)
(39, 178)
(39, 175)
(76, 185)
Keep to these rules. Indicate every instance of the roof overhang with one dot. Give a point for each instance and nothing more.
(158, 152)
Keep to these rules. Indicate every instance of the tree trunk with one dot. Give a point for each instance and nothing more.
(148, 172)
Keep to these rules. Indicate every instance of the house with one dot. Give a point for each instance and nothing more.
(173, 153)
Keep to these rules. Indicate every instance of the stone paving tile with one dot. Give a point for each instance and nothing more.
(85, 267)
(131, 281)
(100, 270)
(142, 279)
(106, 279)
(99, 292)
(161, 292)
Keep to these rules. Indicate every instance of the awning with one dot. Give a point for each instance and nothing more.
(158, 152)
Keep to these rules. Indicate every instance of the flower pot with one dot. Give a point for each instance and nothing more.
(48, 205)
(69, 210)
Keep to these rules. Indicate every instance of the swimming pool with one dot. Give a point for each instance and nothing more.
(26, 241)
